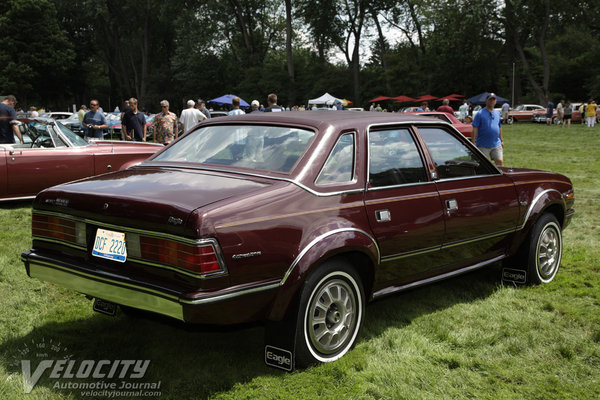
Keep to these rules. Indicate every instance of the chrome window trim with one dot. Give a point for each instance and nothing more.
(317, 240)
(136, 231)
(481, 155)
(403, 185)
(390, 124)
(252, 174)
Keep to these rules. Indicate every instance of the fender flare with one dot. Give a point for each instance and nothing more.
(337, 242)
(541, 201)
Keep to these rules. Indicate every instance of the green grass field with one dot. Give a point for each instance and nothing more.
(468, 337)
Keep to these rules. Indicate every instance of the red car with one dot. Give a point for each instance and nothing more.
(524, 112)
(53, 154)
(465, 129)
(297, 219)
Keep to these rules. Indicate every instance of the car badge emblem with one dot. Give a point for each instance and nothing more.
(175, 221)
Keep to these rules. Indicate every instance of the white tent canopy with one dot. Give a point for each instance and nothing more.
(325, 99)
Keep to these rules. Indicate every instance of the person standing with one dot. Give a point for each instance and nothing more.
(567, 113)
(549, 112)
(560, 111)
(33, 113)
(463, 110)
(235, 102)
(255, 106)
(190, 116)
(487, 131)
(272, 104)
(81, 113)
(165, 125)
(203, 109)
(423, 107)
(590, 113)
(504, 112)
(134, 123)
(445, 107)
(8, 130)
(94, 121)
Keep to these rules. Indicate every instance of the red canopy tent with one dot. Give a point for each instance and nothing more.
(380, 98)
(426, 97)
(403, 99)
(450, 97)
(455, 95)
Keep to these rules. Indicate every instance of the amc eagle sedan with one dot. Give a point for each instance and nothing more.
(296, 219)
(53, 154)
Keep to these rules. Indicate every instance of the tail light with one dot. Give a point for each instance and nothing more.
(58, 228)
(201, 257)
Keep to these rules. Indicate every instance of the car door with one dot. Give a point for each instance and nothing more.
(481, 208)
(403, 207)
(47, 163)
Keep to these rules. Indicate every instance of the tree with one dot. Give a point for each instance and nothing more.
(33, 70)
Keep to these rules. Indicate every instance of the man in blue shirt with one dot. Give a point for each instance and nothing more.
(94, 121)
(487, 131)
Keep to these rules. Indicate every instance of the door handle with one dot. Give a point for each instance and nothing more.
(451, 205)
(383, 215)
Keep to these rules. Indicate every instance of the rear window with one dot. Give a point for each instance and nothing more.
(270, 148)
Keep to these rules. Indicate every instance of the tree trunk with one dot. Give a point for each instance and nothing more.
(288, 51)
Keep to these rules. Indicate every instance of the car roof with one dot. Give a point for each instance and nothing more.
(322, 119)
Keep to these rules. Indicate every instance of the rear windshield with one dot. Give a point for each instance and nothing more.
(270, 148)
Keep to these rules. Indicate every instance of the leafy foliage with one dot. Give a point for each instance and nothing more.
(61, 52)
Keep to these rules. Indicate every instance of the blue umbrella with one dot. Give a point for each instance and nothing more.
(480, 99)
(226, 99)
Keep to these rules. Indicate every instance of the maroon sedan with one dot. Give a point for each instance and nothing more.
(297, 219)
(53, 154)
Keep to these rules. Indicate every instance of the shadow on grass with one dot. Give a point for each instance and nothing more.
(199, 361)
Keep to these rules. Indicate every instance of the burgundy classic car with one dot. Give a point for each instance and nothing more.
(297, 219)
(524, 112)
(465, 129)
(53, 154)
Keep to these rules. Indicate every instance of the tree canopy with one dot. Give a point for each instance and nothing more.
(58, 53)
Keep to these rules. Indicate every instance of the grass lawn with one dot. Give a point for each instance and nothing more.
(468, 337)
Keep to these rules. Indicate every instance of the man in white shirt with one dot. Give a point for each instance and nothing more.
(191, 116)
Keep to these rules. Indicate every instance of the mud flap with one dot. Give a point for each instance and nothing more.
(280, 342)
(514, 275)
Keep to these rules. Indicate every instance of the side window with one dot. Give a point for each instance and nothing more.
(394, 159)
(339, 167)
(453, 159)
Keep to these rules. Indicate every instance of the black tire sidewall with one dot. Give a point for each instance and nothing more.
(540, 226)
(305, 354)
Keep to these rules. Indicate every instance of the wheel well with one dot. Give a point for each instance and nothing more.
(363, 266)
(557, 211)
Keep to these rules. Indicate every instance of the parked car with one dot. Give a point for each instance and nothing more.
(465, 129)
(58, 115)
(73, 124)
(215, 114)
(53, 154)
(524, 112)
(575, 115)
(297, 219)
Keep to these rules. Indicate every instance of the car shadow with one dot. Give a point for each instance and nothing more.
(199, 361)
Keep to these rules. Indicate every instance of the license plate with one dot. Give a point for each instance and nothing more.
(110, 245)
(105, 307)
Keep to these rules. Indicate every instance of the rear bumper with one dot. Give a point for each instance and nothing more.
(227, 306)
